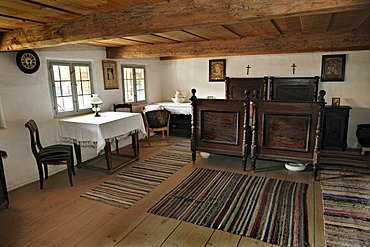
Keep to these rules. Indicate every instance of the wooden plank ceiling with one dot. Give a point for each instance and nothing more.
(187, 28)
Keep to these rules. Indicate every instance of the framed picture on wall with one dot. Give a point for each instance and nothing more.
(335, 101)
(333, 67)
(217, 70)
(110, 74)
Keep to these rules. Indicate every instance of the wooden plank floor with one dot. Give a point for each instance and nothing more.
(57, 216)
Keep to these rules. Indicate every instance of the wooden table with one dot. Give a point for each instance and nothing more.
(99, 132)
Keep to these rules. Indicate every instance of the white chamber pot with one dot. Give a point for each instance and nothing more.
(205, 155)
(295, 167)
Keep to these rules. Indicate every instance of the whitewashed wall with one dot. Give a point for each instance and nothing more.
(186, 74)
(26, 96)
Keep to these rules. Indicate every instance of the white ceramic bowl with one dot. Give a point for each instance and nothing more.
(205, 155)
(295, 167)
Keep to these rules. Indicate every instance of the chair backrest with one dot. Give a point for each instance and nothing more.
(157, 118)
(35, 136)
(122, 106)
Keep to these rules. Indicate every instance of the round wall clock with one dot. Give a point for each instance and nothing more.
(28, 61)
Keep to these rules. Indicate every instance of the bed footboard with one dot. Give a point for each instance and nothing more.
(220, 126)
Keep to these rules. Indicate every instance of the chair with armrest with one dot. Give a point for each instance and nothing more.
(119, 107)
(49, 155)
(156, 120)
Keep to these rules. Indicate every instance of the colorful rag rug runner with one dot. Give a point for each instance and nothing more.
(131, 185)
(345, 183)
(270, 210)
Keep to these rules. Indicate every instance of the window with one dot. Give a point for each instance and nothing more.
(133, 84)
(71, 87)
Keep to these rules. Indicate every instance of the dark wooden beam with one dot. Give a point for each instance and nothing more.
(335, 41)
(166, 16)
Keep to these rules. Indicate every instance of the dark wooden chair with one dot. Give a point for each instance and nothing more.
(50, 155)
(156, 120)
(122, 106)
(4, 199)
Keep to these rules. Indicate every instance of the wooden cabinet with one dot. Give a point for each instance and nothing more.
(180, 125)
(335, 127)
(4, 201)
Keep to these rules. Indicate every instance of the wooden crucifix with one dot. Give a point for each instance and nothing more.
(293, 67)
(248, 67)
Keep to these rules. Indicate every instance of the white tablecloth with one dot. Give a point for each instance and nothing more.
(181, 108)
(87, 130)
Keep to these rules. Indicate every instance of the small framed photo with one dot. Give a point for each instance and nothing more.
(335, 101)
(110, 75)
(217, 70)
(333, 67)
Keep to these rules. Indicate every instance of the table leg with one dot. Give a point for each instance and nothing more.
(135, 143)
(78, 154)
(108, 156)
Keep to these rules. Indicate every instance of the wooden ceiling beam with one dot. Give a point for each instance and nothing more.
(159, 17)
(295, 43)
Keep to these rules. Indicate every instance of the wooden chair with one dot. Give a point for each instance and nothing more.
(122, 106)
(50, 155)
(117, 107)
(4, 199)
(156, 120)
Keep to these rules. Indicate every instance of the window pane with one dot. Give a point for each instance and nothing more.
(84, 102)
(66, 88)
(86, 87)
(65, 104)
(56, 72)
(64, 73)
(128, 84)
(139, 72)
(82, 77)
(140, 84)
(58, 90)
(140, 95)
(83, 72)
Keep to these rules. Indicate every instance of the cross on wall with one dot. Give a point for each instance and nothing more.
(248, 67)
(293, 68)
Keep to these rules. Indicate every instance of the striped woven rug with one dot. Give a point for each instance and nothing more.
(270, 210)
(131, 185)
(345, 182)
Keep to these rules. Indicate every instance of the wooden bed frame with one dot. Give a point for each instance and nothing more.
(220, 126)
(287, 131)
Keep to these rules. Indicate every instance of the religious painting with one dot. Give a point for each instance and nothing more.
(217, 70)
(333, 67)
(335, 101)
(110, 75)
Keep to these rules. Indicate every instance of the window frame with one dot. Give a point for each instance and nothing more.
(71, 65)
(133, 66)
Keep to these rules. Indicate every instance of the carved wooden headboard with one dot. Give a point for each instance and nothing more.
(293, 88)
(235, 87)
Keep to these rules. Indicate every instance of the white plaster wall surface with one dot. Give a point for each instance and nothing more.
(186, 74)
(26, 96)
